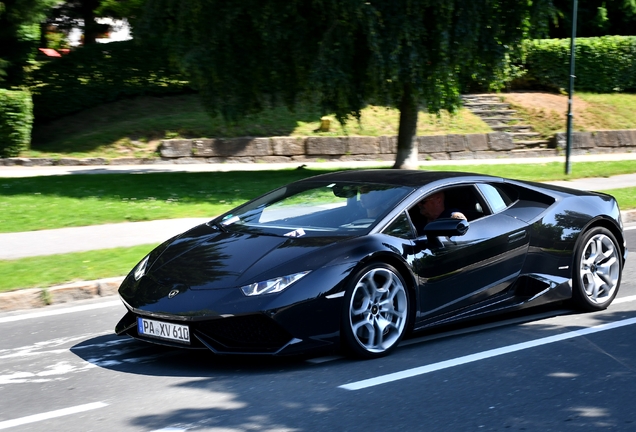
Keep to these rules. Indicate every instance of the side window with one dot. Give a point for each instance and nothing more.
(497, 198)
(400, 227)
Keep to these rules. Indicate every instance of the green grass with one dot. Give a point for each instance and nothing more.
(616, 111)
(35, 203)
(626, 197)
(133, 128)
(45, 271)
(609, 111)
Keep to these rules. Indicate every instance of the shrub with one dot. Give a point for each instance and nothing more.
(100, 73)
(16, 120)
(603, 65)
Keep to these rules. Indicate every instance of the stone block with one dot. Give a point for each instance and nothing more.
(239, 159)
(93, 161)
(287, 146)
(67, 162)
(499, 141)
(456, 143)
(20, 161)
(71, 292)
(246, 146)
(239, 147)
(627, 138)
(326, 146)
(477, 142)
(606, 139)
(188, 161)
(204, 147)
(439, 156)
(363, 145)
(175, 148)
(275, 159)
(387, 144)
(106, 287)
(431, 143)
(580, 140)
(21, 299)
(465, 155)
(50, 161)
(124, 161)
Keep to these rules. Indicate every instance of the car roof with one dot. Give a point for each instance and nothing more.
(411, 178)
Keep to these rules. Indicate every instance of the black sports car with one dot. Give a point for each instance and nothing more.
(348, 259)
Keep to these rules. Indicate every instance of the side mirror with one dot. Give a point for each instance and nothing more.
(446, 227)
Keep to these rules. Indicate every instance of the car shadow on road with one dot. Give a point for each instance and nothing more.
(264, 393)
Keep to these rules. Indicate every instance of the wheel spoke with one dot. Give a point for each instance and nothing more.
(378, 310)
(599, 269)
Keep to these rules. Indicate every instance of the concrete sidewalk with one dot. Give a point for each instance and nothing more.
(165, 166)
(79, 239)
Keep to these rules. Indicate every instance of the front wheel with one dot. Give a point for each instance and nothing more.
(597, 271)
(375, 312)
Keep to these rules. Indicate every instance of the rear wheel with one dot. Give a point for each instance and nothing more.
(598, 269)
(376, 311)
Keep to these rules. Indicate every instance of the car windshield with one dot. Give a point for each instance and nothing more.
(316, 209)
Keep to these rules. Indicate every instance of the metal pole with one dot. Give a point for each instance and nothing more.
(568, 140)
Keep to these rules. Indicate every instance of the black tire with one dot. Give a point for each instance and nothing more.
(598, 268)
(376, 311)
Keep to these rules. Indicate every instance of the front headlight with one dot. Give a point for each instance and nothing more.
(273, 285)
(140, 270)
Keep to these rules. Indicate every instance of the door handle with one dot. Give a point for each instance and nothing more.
(519, 235)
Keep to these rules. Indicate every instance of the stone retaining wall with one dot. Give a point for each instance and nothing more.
(440, 147)
(310, 149)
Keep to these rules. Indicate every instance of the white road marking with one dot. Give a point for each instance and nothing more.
(629, 228)
(49, 346)
(624, 300)
(53, 372)
(51, 414)
(60, 311)
(409, 373)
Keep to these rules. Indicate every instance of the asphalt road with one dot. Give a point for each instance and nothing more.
(63, 369)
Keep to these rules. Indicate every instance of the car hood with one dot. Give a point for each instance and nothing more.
(207, 257)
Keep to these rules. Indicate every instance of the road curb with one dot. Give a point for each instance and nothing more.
(41, 297)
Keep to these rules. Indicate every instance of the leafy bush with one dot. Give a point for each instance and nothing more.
(100, 73)
(16, 120)
(602, 65)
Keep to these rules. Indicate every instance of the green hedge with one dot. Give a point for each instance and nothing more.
(100, 73)
(603, 65)
(16, 120)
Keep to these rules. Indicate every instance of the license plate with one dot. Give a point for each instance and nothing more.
(163, 330)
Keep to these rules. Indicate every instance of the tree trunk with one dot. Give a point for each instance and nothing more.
(91, 27)
(406, 157)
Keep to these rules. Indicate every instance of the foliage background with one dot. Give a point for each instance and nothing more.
(16, 121)
(100, 73)
(603, 65)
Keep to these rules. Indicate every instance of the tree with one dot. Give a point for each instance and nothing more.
(347, 53)
(71, 14)
(594, 18)
(19, 36)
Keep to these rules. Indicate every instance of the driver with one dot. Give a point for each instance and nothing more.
(432, 208)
